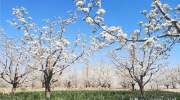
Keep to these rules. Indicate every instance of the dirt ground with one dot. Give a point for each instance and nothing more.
(8, 90)
(171, 90)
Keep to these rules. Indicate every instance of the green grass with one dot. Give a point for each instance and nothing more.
(92, 95)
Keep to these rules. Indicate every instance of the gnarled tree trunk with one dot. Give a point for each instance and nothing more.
(141, 86)
(47, 83)
(133, 86)
(47, 92)
(14, 83)
(13, 90)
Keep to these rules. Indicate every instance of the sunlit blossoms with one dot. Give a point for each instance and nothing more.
(61, 43)
(19, 12)
(113, 29)
(27, 35)
(157, 34)
(149, 41)
(121, 35)
(65, 41)
(99, 19)
(95, 44)
(165, 7)
(79, 3)
(131, 46)
(48, 45)
(89, 20)
(86, 10)
(134, 34)
(90, 5)
(101, 11)
(159, 47)
(107, 36)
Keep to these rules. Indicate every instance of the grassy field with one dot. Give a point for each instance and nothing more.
(92, 95)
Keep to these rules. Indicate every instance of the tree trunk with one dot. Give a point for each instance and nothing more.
(167, 86)
(157, 87)
(141, 86)
(47, 83)
(14, 88)
(132, 84)
(42, 84)
(69, 84)
(141, 90)
(173, 86)
(47, 93)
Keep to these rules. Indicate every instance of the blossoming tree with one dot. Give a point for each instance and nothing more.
(51, 51)
(14, 62)
(158, 33)
(142, 63)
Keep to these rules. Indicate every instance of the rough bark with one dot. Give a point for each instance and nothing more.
(141, 90)
(141, 86)
(47, 93)
(13, 90)
(47, 83)
(167, 86)
(133, 86)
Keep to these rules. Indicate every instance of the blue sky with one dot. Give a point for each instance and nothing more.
(125, 13)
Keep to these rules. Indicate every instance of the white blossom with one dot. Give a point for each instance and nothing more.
(78, 40)
(101, 11)
(90, 5)
(19, 12)
(65, 55)
(31, 25)
(22, 20)
(27, 35)
(159, 47)
(165, 7)
(113, 29)
(59, 43)
(131, 45)
(134, 34)
(144, 12)
(149, 41)
(99, 19)
(104, 27)
(65, 41)
(178, 8)
(107, 36)
(98, 3)
(73, 55)
(89, 20)
(141, 23)
(86, 10)
(79, 3)
(45, 27)
(146, 30)
(121, 35)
